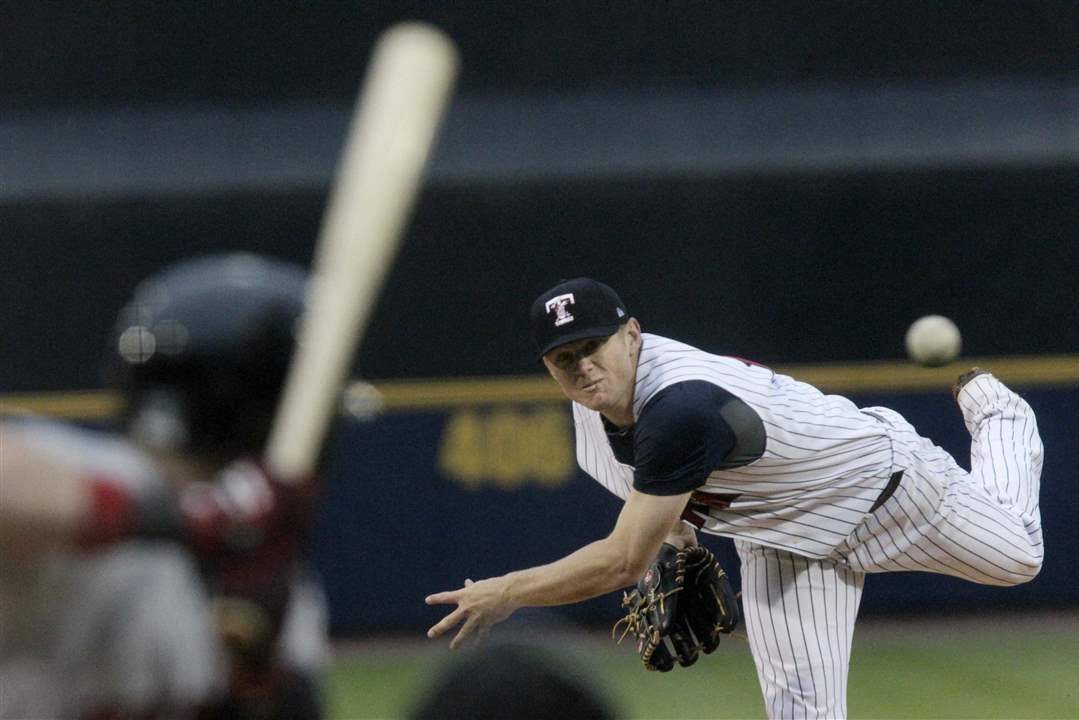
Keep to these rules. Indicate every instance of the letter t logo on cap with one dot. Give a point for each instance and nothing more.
(558, 304)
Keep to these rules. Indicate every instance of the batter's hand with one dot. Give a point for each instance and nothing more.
(480, 605)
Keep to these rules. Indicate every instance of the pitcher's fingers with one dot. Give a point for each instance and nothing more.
(466, 634)
(446, 623)
(468, 581)
(443, 598)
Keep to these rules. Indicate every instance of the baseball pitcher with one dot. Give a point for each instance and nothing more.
(814, 491)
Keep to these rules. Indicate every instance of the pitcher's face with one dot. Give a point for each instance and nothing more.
(599, 372)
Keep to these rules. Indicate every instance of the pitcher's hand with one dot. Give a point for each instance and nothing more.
(480, 605)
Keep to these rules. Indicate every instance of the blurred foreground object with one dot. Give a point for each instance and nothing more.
(513, 679)
(94, 524)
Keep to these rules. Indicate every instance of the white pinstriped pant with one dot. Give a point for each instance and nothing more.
(982, 526)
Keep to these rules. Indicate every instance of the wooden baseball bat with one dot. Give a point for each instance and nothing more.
(406, 89)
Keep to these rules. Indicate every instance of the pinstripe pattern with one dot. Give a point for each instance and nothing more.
(985, 525)
(799, 616)
(802, 522)
(824, 464)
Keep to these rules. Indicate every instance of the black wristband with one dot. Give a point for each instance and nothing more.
(158, 516)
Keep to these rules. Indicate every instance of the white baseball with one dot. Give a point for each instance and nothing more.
(933, 340)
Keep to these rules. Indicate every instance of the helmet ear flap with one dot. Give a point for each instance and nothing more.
(159, 418)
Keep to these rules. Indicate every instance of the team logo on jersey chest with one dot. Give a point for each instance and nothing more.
(558, 304)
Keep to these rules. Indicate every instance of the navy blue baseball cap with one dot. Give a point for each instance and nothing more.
(574, 310)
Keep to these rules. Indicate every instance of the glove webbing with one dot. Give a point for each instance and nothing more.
(638, 606)
(704, 561)
(637, 609)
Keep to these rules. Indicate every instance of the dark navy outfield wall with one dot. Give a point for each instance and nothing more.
(423, 499)
(247, 51)
(757, 250)
(782, 268)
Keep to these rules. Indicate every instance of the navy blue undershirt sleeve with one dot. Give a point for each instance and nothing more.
(681, 436)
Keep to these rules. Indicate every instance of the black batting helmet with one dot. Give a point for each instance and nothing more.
(201, 351)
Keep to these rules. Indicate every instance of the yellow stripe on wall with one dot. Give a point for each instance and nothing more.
(1031, 371)
(74, 405)
(404, 395)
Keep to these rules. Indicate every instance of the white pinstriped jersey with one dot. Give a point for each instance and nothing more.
(824, 465)
(802, 513)
(983, 526)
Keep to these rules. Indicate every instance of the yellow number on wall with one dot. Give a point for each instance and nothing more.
(507, 447)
